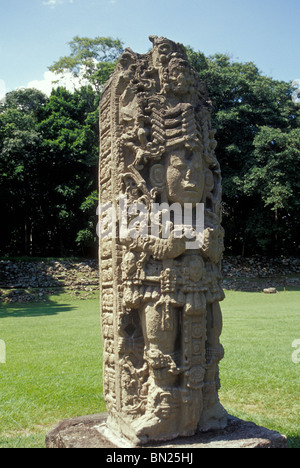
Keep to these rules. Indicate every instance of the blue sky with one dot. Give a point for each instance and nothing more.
(35, 33)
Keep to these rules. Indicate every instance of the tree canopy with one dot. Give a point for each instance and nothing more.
(47, 168)
(90, 59)
(49, 156)
(257, 126)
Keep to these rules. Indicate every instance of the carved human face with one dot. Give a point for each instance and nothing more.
(179, 80)
(185, 176)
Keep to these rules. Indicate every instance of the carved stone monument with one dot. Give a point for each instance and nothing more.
(161, 319)
(160, 277)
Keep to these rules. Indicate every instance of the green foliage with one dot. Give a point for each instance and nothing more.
(277, 163)
(258, 147)
(87, 237)
(49, 156)
(71, 141)
(29, 101)
(20, 159)
(90, 59)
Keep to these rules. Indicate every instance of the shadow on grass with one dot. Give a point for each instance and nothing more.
(294, 442)
(33, 309)
(27, 286)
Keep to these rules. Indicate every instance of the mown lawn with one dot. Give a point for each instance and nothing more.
(53, 367)
(260, 381)
(53, 364)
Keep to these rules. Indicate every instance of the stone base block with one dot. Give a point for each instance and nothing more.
(91, 432)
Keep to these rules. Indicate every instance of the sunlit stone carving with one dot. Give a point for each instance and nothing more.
(161, 319)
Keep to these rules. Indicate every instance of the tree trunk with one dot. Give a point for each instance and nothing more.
(28, 239)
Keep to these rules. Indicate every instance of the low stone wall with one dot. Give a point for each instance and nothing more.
(33, 281)
(259, 273)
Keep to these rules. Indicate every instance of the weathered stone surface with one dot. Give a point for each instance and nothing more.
(84, 432)
(253, 274)
(270, 291)
(22, 281)
(78, 433)
(161, 318)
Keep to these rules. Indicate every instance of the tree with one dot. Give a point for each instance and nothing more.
(93, 60)
(70, 139)
(86, 237)
(28, 101)
(20, 156)
(274, 178)
(49, 156)
(90, 59)
(245, 104)
(48, 167)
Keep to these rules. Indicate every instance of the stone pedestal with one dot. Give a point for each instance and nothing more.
(91, 432)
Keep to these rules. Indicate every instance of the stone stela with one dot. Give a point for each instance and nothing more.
(160, 312)
(160, 296)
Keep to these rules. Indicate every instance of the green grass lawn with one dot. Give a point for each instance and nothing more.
(53, 364)
(53, 367)
(259, 380)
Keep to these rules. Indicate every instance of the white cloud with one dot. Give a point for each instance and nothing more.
(54, 3)
(52, 81)
(2, 89)
(46, 85)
